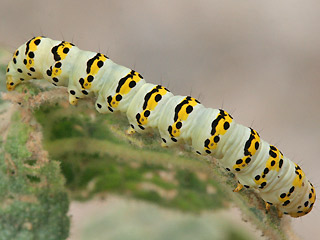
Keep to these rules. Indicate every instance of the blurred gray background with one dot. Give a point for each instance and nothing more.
(259, 60)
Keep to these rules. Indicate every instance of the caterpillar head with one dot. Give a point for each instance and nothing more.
(21, 67)
(12, 77)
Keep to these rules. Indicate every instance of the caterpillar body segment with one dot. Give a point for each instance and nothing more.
(146, 107)
(60, 60)
(108, 89)
(179, 119)
(81, 84)
(176, 122)
(119, 96)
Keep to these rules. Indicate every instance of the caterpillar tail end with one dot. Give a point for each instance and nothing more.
(10, 83)
(238, 188)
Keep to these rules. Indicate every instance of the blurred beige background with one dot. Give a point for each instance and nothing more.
(259, 60)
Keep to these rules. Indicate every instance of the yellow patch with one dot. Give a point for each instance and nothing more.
(219, 127)
(56, 72)
(61, 49)
(272, 164)
(182, 112)
(151, 101)
(251, 147)
(93, 67)
(31, 49)
(62, 53)
(297, 182)
(124, 87)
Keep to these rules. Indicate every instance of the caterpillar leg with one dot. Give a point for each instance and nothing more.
(238, 188)
(268, 205)
(73, 96)
(164, 145)
(101, 105)
(280, 214)
(130, 131)
(73, 100)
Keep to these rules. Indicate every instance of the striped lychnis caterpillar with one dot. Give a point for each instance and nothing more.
(179, 119)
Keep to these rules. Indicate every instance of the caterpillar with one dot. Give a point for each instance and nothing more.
(179, 119)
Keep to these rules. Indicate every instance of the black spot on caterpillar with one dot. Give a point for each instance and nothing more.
(179, 119)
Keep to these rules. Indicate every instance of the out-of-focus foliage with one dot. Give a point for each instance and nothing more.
(93, 161)
(34, 203)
